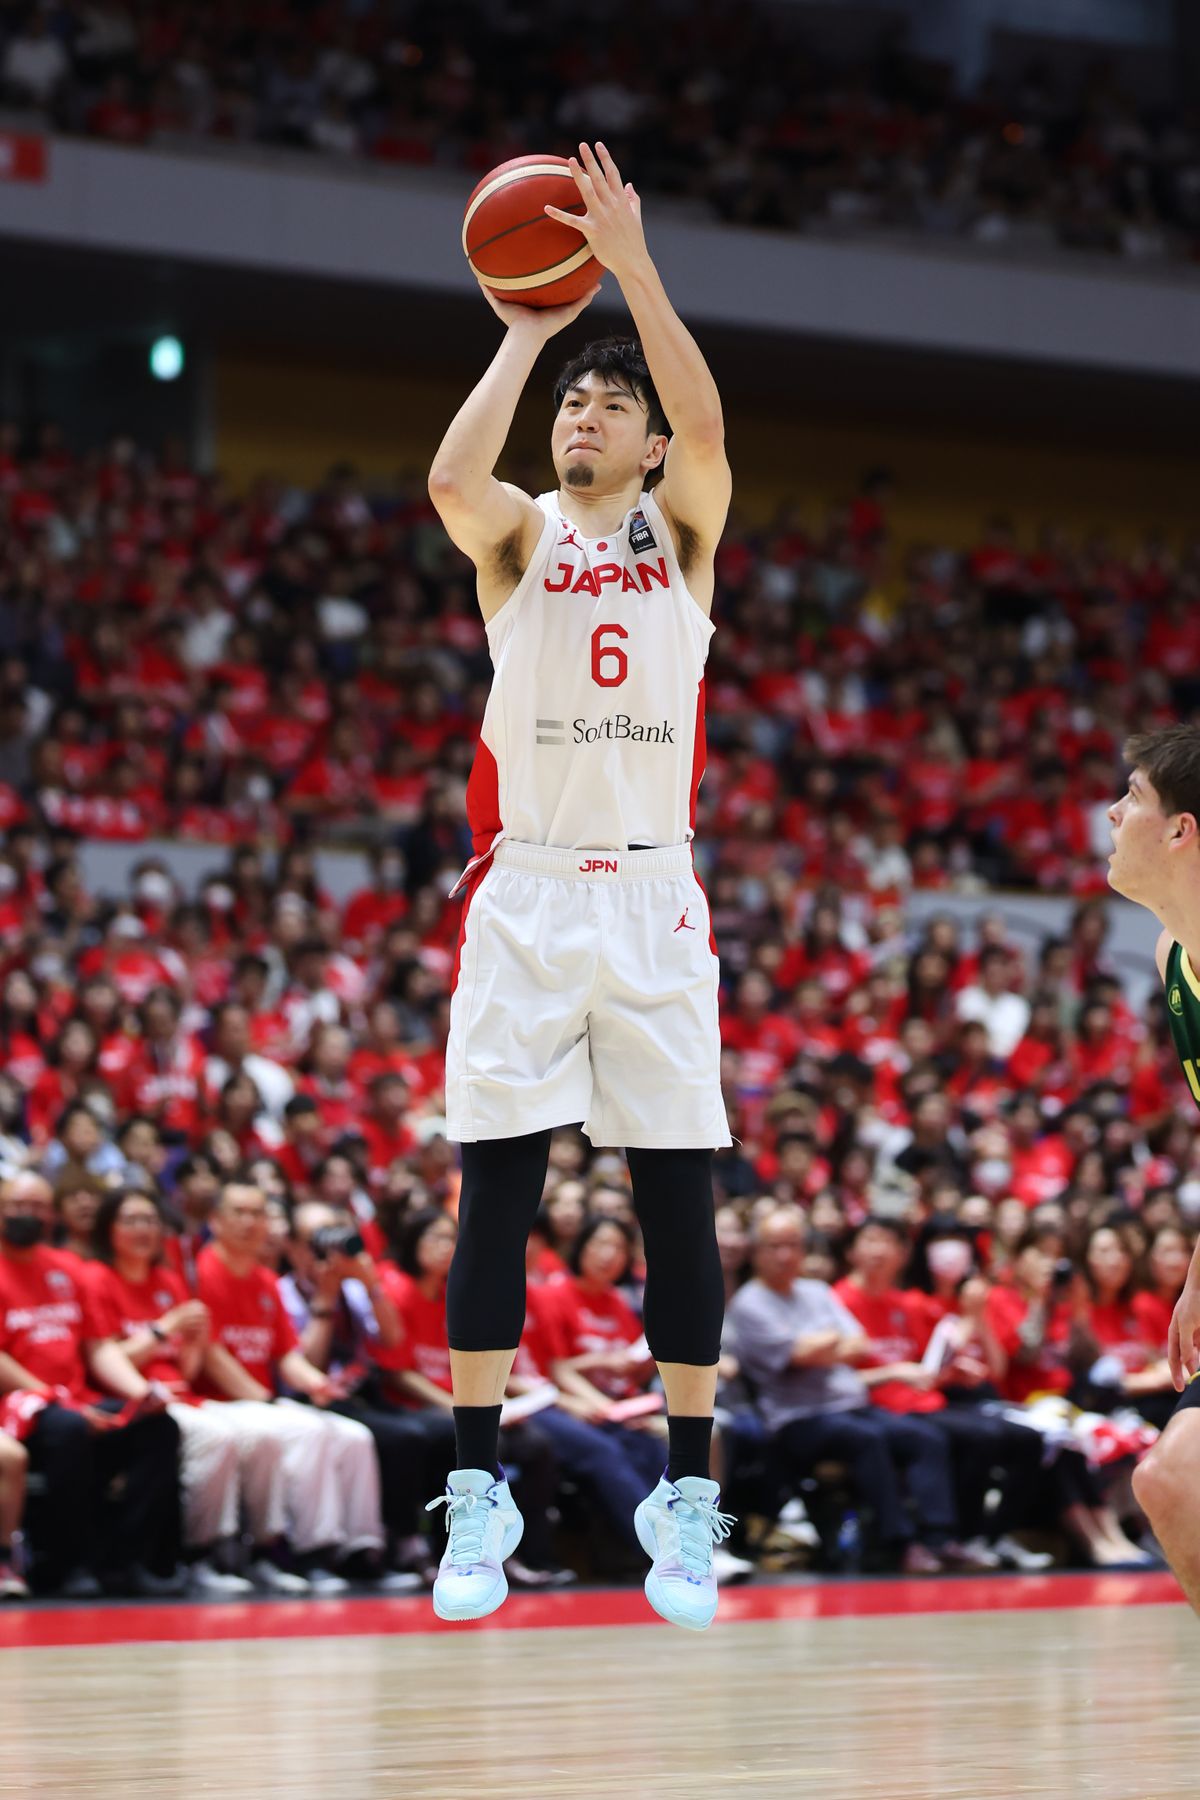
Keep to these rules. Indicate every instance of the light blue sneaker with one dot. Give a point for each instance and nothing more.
(484, 1525)
(677, 1526)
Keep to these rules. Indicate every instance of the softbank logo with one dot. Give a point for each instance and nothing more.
(599, 865)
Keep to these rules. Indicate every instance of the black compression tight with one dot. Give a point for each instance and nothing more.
(501, 1190)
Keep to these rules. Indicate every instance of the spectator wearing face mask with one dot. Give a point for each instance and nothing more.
(56, 1369)
(800, 1347)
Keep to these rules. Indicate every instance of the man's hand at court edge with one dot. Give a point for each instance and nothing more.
(1182, 1353)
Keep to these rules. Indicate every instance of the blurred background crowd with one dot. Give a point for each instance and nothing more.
(242, 677)
(852, 132)
(269, 673)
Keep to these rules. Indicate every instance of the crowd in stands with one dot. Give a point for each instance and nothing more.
(222, 1100)
(735, 110)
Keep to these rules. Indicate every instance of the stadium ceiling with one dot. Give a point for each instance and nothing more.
(53, 294)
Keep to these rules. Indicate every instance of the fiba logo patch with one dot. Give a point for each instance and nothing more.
(1175, 1001)
(640, 535)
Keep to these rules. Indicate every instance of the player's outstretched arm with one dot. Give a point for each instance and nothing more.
(478, 511)
(696, 482)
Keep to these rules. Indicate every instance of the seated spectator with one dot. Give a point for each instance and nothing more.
(418, 1287)
(1032, 1326)
(799, 1346)
(140, 1143)
(77, 1197)
(566, 1211)
(232, 1053)
(80, 1142)
(53, 1359)
(239, 1111)
(196, 1190)
(14, 1466)
(330, 1467)
(389, 1137)
(986, 1447)
(303, 1148)
(72, 1064)
(231, 1468)
(1117, 1359)
(165, 1081)
(1167, 1267)
(348, 1325)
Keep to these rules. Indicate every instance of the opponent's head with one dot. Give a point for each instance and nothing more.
(609, 426)
(1156, 822)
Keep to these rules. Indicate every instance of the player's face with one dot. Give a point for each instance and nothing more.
(1141, 831)
(600, 439)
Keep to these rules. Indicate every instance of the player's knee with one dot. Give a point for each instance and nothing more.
(1167, 1477)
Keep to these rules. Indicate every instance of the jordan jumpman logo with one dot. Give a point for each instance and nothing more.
(683, 924)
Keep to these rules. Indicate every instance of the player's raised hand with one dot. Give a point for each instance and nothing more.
(540, 322)
(1183, 1354)
(612, 223)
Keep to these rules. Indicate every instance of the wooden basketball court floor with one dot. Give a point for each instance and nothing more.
(960, 1690)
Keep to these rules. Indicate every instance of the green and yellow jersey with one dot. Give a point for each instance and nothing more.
(1183, 1011)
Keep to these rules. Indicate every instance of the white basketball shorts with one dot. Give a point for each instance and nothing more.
(587, 990)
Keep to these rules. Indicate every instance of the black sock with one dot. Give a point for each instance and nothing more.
(477, 1438)
(689, 1445)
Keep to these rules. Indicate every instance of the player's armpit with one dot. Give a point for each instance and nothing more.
(479, 520)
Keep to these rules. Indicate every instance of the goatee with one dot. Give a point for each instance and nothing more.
(579, 475)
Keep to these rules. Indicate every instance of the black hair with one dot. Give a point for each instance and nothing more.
(881, 1222)
(591, 1227)
(127, 1125)
(936, 1227)
(412, 1230)
(620, 361)
(111, 1204)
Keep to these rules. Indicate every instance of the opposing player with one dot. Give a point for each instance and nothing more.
(586, 980)
(1156, 861)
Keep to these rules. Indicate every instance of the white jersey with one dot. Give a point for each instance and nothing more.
(593, 735)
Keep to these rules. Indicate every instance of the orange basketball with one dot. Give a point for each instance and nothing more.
(518, 252)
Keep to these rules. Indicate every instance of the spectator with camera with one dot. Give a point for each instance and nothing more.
(348, 1326)
(330, 1467)
(53, 1361)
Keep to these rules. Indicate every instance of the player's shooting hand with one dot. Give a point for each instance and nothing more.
(612, 223)
(1182, 1352)
(540, 322)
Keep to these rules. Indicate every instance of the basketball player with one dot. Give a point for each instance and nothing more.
(586, 979)
(1156, 861)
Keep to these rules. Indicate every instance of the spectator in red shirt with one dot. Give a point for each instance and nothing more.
(385, 1128)
(166, 1078)
(20, 1031)
(50, 1354)
(340, 1305)
(423, 1255)
(1119, 1361)
(72, 1066)
(898, 1329)
(229, 1465)
(197, 1186)
(1032, 1327)
(372, 910)
(1167, 1265)
(330, 1466)
(77, 1197)
(327, 1082)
